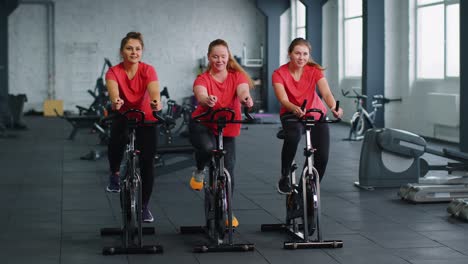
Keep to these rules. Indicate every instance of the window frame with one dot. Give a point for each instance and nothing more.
(344, 34)
(295, 19)
(445, 4)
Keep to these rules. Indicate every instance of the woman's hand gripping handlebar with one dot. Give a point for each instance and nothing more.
(136, 117)
(224, 116)
(310, 119)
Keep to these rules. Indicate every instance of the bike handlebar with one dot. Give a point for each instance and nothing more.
(357, 95)
(375, 97)
(230, 120)
(137, 121)
(290, 117)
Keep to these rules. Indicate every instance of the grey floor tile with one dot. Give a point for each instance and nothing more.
(57, 219)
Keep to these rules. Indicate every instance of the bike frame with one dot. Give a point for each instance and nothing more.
(221, 176)
(309, 174)
(130, 182)
(218, 181)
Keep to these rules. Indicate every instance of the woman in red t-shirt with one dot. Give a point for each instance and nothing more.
(293, 83)
(133, 84)
(223, 84)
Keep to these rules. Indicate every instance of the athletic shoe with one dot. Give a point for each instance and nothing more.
(284, 185)
(235, 222)
(114, 184)
(147, 216)
(196, 182)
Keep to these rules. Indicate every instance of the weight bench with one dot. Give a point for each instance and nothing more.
(79, 121)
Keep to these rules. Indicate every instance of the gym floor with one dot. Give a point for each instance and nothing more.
(53, 205)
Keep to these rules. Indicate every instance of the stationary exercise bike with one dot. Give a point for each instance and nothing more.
(218, 208)
(303, 207)
(132, 230)
(176, 118)
(362, 120)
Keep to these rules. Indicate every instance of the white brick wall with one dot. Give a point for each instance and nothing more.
(176, 34)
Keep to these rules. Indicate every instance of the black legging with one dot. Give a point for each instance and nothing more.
(146, 141)
(320, 138)
(204, 142)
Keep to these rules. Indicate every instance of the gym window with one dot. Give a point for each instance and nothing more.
(352, 38)
(437, 39)
(298, 18)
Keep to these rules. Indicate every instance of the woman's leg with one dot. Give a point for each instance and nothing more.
(115, 149)
(204, 143)
(146, 143)
(320, 138)
(117, 140)
(230, 157)
(292, 136)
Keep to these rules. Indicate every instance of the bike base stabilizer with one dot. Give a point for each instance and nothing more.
(313, 244)
(111, 231)
(223, 248)
(147, 249)
(303, 243)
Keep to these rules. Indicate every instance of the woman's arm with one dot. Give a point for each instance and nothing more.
(282, 97)
(203, 98)
(114, 97)
(327, 96)
(243, 93)
(155, 96)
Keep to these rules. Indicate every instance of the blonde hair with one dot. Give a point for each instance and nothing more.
(303, 42)
(232, 63)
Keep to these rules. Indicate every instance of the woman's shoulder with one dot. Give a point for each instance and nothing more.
(281, 69)
(313, 68)
(234, 73)
(146, 66)
(116, 70)
(203, 75)
(117, 67)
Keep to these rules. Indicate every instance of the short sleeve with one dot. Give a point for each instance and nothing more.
(276, 78)
(318, 74)
(110, 75)
(241, 78)
(151, 73)
(200, 81)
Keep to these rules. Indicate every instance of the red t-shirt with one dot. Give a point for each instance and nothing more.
(134, 92)
(304, 89)
(227, 97)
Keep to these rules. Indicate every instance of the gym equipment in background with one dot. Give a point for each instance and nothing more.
(362, 120)
(390, 158)
(458, 208)
(393, 158)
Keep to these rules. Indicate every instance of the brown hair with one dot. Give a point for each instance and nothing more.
(303, 42)
(132, 35)
(232, 63)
